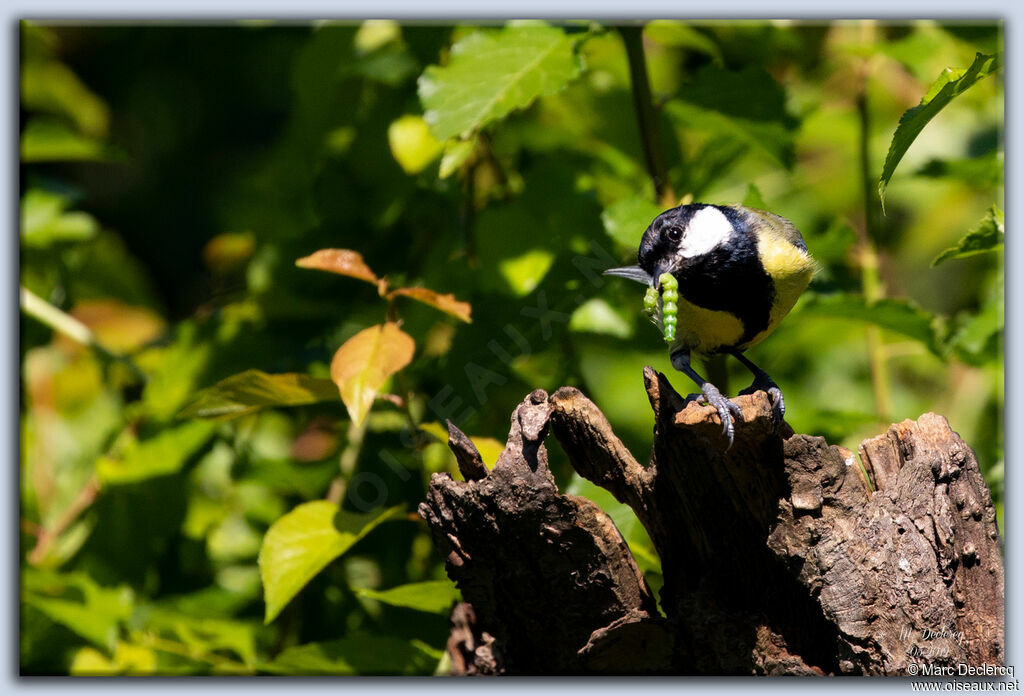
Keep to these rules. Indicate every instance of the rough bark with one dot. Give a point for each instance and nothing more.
(779, 555)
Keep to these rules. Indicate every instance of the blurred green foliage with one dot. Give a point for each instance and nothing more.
(180, 431)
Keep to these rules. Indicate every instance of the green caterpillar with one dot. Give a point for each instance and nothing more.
(669, 308)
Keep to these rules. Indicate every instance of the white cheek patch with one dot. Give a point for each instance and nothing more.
(707, 229)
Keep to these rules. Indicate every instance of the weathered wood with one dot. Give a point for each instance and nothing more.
(533, 563)
(777, 556)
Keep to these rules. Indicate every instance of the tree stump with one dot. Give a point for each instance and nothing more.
(779, 555)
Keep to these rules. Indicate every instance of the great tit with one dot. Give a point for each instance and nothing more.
(739, 271)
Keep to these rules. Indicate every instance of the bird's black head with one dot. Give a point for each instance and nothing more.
(681, 235)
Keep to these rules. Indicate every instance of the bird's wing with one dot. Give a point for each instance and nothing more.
(782, 227)
(786, 229)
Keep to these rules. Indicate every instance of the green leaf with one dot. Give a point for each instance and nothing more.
(434, 596)
(950, 84)
(747, 106)
(597, 316)
(48, 141)
(357, 655)
(164, 453)
(303, 542)
(989, 235)
(974, 335)
(524, 272)
(252, 390)
(490, 75)
(973, 340)
(626, 220)
(44, 222)
(174, 371)
(77, 602)
(900, 316)
(50, 86)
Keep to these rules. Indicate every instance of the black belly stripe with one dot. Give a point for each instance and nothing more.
(734, 281)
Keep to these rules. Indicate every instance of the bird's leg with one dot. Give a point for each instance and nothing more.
(762, 382)
(726, 409)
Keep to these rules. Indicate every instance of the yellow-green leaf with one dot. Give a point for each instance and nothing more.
(303, 542)
(162, 454)
(77, 602)
(412, 145)
(434, 596)
(44, 220)
(446, 303)
(50, 86)
(44, 140)
(989, 235)
(253, 390)
(341, 261)
(456, 152)
(127, 659)
(523, 273)
(597, 316)
(364, 362)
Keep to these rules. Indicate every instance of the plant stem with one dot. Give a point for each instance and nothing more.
(35, 306)
(224, 664)
(47, 536)
(62, 322)
(871, 279)
(632, 37)
(347, 461)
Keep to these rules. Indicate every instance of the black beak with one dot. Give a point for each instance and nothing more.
(632, 273)
(655, 279)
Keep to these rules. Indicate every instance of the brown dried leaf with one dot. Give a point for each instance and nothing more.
(446, 303)
(341, 261)
(117, 326)
(364, 362)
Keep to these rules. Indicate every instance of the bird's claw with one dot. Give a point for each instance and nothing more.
(726, 409)
(778, 403)
(774, 395)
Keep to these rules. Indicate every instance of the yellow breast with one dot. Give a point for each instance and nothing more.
(791, 269)
(705, 330)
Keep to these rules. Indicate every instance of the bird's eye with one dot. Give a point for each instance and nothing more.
(674, 234)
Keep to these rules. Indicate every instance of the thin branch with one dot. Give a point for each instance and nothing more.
(48, 535)
(62, 322)
(347, 461)
(647, 119)
(871, 280)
